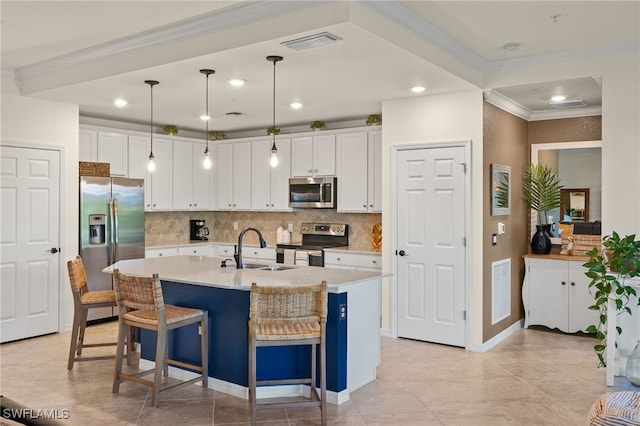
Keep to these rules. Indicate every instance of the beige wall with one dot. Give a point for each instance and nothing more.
(31, 122)
(505, 143)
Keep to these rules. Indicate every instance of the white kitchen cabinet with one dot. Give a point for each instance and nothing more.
(88, 145)
(251, 253)
(161, 252)
(270, 185)
(191, 181)
(195, 250)
(224, 251)
(359, 171)
(234, 175)
(158, 186)
(555, 293)
(340, 259)
(313, 155)
(113, 149)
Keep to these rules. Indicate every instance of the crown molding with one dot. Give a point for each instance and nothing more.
(500, 101)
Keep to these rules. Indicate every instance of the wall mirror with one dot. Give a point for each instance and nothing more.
(500, 190)
(579, 167)
(574, 204)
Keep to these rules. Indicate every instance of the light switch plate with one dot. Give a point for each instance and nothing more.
(501, 228)
(494, 239)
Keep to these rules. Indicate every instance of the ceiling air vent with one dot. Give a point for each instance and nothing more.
(311, 41)
(577, 103)
(233, 113)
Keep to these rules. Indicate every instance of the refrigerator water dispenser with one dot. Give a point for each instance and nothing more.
(96, 228)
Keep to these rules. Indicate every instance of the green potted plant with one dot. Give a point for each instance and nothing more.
(171, 129)
(541, 192)
(317, 125)
(273, 131)
(374, 119)
(608, 270)
(217, 135)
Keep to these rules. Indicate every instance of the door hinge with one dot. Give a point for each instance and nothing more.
(464, 241)
(464, 167)
(464, 315)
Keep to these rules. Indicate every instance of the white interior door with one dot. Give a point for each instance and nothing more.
(29, 242)
(430, 244)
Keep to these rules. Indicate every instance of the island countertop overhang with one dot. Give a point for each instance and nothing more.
(207, 271)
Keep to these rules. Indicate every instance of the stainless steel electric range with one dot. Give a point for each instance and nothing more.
(315, 238)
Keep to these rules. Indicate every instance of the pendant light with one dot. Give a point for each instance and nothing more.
(274, 149)
(151, 165)
(207, 159)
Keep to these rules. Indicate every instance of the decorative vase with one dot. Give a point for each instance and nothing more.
(633, 366)
(541, 243)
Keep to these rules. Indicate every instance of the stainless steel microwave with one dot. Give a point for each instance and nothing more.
(312, 193)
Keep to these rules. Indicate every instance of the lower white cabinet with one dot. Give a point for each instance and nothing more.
(555, 293)
(355, 261)
(195, 250)
(161, 252)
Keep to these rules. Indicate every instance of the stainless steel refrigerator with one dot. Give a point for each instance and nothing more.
(111, 229)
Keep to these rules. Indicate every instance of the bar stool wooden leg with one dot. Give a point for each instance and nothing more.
(83, 326)
(122, 332)
(204, 349)
(161, 366)
(74, 339)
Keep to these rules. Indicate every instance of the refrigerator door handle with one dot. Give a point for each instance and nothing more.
(115, 231)
(112, 241)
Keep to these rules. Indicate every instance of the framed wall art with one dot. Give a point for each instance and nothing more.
(500, 190)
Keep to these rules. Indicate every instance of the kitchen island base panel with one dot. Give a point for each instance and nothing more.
(353, 340)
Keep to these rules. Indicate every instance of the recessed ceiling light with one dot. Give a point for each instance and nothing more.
(120, 103)
(558, 98)
(205, 117)
(418, 89)
(296, 105)
(237, 82)
(314, 40)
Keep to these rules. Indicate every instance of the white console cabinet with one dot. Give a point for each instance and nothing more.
(555, 293)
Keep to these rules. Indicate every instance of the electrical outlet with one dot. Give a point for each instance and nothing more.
(343, 312)
(199, 330)
(235, 226)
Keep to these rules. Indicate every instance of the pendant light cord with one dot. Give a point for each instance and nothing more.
(207, 72)
(151, 83)
(274, 59)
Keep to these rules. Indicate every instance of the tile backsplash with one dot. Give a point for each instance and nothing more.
(173, 227)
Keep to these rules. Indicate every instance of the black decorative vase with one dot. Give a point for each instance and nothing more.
(541, 243)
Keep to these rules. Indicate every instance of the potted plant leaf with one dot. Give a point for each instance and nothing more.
(541, 192)
(317, 125)
(374, 119)
(608, 270)
(171, 129)
(273, 131)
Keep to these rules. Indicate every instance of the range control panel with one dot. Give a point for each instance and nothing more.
(337, 229)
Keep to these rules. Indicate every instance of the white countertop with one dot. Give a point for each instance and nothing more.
(202, 270)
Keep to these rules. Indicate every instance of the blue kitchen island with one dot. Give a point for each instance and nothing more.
(353, 336)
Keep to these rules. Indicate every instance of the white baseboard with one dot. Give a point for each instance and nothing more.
(491, 343)
(239, 391)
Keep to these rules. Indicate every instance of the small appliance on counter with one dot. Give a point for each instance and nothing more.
(198, 231)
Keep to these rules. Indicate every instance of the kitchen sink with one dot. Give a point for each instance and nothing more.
(276, 268)
(254, 266)
(264, 267)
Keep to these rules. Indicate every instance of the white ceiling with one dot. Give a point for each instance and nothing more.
(91, 52)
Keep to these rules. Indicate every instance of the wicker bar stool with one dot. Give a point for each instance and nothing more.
(284, 316)
(83, 300)
(141, 304)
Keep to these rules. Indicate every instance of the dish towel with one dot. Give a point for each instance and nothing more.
(289, 257)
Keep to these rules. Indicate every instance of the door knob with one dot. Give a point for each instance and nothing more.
(402, 253)
(53, 250)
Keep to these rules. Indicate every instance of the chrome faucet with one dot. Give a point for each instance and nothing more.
(238, 249)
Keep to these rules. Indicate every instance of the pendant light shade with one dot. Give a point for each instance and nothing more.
(151, 165)
(274, 149)
(207, 158)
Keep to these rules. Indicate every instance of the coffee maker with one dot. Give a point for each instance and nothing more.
(198, 230)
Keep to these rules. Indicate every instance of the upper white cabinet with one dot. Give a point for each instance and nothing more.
(158, 185)
(112, 149)
(105, 147)
(270, 185)
(191, 181)
(234, 175)
(88, 150)
(313, 155)
(359, 171)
